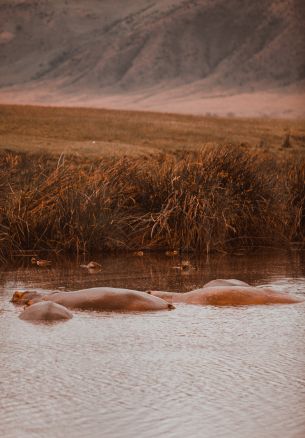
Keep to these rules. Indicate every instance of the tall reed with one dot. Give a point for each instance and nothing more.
(219, 198)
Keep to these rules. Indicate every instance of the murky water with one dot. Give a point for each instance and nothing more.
(192, 372)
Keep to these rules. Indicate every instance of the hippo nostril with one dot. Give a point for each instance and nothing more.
(148, 292)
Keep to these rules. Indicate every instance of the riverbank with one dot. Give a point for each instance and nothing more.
(216, 199)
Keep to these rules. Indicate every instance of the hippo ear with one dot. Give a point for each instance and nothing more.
(29, 303)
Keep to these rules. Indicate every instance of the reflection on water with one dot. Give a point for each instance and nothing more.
(195, 371)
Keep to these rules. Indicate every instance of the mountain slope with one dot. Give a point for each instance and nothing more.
(208, 46)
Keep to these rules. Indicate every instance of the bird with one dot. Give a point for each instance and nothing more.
(92, 265)
(171, 253)
(40, 262)
(184, 266)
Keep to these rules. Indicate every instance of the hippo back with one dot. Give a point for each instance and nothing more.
(109, 299)
(226, 282)
(45, 311)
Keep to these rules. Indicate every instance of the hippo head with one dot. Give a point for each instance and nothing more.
(17, 296)
(22, 297)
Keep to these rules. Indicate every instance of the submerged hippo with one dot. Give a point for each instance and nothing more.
(45, 311)
(229, 282)
(108, 299)
(226, 294)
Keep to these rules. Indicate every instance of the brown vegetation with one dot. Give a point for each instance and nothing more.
(218, 198)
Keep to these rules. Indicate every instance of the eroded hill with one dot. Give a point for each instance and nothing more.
(195, 48)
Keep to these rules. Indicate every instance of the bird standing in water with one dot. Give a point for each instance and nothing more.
(184, 266)
(138, 253)
(40, 262)
(92, 265)
(171, 253)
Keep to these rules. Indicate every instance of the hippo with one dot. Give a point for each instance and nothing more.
(45, 311)
(108, 299)
(229, 282)
(228, 295)
(22, 297)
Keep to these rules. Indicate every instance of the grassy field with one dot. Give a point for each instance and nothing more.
(96, 132)
(143, 181)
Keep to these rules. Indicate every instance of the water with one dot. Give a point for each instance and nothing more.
(192, 372)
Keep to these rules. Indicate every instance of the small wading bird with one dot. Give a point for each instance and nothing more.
(40, 262)
(138, 253)
(171, 253)
(185, 266)
(92, 265)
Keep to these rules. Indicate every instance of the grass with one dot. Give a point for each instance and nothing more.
(83, 180)
(96, 132)
(218, 198)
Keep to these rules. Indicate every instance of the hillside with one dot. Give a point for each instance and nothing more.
(164, 54)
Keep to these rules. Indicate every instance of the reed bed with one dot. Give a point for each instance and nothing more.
(216, 199)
